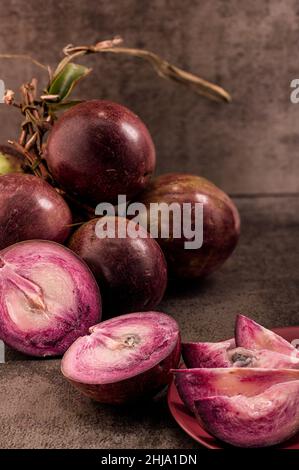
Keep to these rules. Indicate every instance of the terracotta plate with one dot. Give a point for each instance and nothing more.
(191, 426)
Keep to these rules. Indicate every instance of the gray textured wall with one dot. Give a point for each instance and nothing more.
(251, 48)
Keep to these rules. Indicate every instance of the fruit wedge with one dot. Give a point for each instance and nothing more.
(207, 354)
(251, 335)
(194, 384)
(255, 421)
(224, 354)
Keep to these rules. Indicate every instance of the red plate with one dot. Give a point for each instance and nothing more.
(186, 420)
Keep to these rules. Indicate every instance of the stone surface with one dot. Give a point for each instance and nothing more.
(38, 408)
(251, 48)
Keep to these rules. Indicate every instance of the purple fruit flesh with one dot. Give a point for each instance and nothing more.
(224, 354)
(131, 272)
(194, 384)
(221, 223)
(248, 397)
(98, 150)
(207, 354)
(48, 295)
(31, 209)
(251, 335)
(258, 421)
(124, 359)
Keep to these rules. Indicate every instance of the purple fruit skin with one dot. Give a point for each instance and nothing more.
(221, 223)
(139, 387)
(264, 420)
(99, 149)
(49, 341)
(31, 209)
(207, 354)
(131, 273)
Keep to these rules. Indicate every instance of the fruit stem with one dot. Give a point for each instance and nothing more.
(163, 68)
(39, 113)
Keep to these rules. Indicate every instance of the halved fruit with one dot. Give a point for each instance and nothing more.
(194, 384)
(48, 297)
(126, 358)
(251, 335)
(257, 421)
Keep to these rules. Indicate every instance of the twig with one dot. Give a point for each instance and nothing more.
(163, 68)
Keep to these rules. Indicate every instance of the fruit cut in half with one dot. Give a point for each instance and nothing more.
(251, 335)
(125, 358)
(257, 421)
(194, 384)
(48, 298)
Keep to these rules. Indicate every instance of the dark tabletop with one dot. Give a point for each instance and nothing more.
(38, 408)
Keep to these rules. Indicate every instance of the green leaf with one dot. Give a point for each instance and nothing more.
(64, 82)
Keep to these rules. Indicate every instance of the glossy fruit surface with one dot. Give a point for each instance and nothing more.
(131, 272)
(100, 149)
(221, 223)
(31, 209)
(48, 296)
(124, 359)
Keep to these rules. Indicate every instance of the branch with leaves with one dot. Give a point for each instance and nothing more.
(39, 113)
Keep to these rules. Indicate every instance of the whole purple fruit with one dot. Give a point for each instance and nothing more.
(99, 149)
(29, 209)
(48, 298)
(220, 222)
(131, 272)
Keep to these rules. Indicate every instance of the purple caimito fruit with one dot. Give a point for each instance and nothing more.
(31, 209)
(131, 271)
(98, 150)
(48, 296)
(194, 384)
(251, 335)
(207, 354)
(268, 418)
(224, 354)
(220, 223)
(125, 358)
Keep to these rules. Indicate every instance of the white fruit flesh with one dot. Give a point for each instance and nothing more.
(34, 299)
(121, 348)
